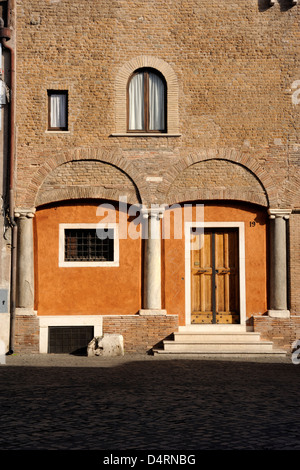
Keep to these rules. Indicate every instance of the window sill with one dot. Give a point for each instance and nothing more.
(88, 264)
(144, 134)
(57, 132)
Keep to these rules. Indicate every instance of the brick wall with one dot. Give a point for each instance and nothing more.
(141, 333)
(232, 72)
(282, 331)
(217, 179)
(86, 178)
(232, 66)
(26, 334)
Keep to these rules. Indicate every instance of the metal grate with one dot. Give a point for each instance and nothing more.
(69, 339)
(89, 244)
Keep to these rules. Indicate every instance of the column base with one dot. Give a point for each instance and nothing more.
(279, 313)
(26, 311)
(152, 311)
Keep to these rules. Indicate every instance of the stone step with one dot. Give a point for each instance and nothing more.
(273, 352)
(218, 337)
(212, 346)
(215, 327)
(217, 340)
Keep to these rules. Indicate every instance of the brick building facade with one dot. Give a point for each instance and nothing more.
(222, 164)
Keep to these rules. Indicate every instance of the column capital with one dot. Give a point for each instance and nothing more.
(23, 213)
(275, 213)
(154, 211)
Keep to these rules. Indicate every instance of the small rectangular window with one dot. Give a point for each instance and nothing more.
(88, 245)
(57, 110)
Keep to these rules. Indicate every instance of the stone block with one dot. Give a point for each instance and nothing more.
(106, 345)
(279, 313)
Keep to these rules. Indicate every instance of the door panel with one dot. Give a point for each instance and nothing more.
(215, 277)
(201, 264)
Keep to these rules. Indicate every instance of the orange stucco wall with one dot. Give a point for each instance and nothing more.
(118, 290)
(84, 290)
(255, 254)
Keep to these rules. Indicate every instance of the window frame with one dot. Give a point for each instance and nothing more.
(146, 130)
(50, 93)
(82, 264)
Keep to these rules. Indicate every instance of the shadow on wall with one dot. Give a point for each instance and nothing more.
(285, 5)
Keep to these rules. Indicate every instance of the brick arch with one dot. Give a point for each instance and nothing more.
(172, 90)
(34, 195)
(266, 197)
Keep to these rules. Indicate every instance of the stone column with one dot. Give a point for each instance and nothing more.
(152, 262)
(278, 263)
(25, 263)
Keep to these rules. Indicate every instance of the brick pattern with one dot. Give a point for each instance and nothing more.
(230, 68)
(86, 179)
(282, 331)
(141, 333)
(26, 334)
(234, 88)
(137, 169)
(217, 179)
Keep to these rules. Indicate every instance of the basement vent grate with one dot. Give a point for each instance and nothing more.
(69, 339)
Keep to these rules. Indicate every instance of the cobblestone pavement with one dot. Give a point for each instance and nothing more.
(137, 402)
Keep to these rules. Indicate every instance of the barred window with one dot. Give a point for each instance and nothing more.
(88, 245)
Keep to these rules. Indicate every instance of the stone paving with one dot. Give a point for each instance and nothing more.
(140, 402)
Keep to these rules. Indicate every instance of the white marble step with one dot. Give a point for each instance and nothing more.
(213, 346)
(216, 340)
(273, 352)
(222, 336)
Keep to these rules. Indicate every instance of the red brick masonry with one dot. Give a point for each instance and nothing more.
(282, 331)
(141, 333)
(27, 334)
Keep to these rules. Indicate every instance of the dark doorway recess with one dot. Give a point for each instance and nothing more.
(69, 339)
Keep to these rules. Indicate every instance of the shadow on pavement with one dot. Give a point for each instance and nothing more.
(177, 404)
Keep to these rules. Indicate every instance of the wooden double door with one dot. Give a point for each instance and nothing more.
(215, 276)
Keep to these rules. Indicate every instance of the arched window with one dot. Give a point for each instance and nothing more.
(147, 99)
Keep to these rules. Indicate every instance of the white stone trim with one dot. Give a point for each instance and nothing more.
(78, 264)
(279, 313)
(144, 134)
(242, 277)
(285, 213)
(152, 312)
(67, 320)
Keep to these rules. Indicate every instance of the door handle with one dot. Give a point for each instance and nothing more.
(222, 271)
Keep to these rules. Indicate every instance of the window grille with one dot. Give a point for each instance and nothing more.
(89, 244)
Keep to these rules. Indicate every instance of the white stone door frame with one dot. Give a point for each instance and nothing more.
(242, 279)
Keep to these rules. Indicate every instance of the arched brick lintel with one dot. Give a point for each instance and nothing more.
(121, 91)
(109, 157)
(237, 157)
